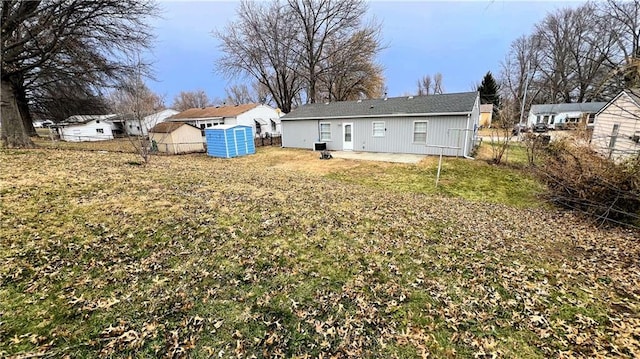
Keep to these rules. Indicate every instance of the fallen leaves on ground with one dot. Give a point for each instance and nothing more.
(195, 256)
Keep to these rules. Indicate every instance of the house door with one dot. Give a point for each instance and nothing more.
(347, 137)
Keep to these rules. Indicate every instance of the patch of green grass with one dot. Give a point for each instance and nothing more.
(472, 180)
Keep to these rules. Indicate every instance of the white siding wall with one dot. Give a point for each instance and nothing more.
(87, 132)
(266, 113)
(133, 127)
(624, 113)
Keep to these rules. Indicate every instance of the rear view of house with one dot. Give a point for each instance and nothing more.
(616, 133)
(413, 124)
(176, 138)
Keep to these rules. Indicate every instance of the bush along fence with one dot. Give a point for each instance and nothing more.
(268, 140)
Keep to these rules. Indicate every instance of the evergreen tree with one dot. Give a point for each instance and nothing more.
(489, 92)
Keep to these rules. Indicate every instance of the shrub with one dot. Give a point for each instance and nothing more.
(578, 178)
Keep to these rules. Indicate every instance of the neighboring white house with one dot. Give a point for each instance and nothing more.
(564, 115)
(80, 128)
(263, 119)
(175, 138)
(616, 133)
(135, 128)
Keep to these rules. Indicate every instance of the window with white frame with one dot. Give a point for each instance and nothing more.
(378, 129)
(325, 132)
(420, 132)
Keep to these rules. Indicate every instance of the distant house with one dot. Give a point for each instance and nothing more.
(616, 132)
(486, 115)
(80, 128)
(141, 128)
(564, 115)
(413, 124)
(176, 138)
(263, 119)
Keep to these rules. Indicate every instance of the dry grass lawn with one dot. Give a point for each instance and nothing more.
(283, 255)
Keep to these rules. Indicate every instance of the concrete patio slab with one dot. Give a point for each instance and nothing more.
(376, 156)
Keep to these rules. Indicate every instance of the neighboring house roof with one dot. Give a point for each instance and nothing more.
(486, 108)
(590, 107)
(82, 119)
(168, 127)
(455, 103)
(218, 111)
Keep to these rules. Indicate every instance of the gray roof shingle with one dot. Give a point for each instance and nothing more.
(394, 106)
(590, 107)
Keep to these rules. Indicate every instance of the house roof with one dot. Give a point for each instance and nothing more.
(486, 107)
(590, 107)
(168, 127)
(454, 103)
(81, 119)
(213, 112)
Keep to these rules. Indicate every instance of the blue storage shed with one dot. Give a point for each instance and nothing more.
(227, 141)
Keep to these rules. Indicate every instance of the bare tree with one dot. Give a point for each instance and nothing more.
(424, 85)
(351, 73)
(428, 85)
(296, 49)
(86, 40)
(260, 44)
(57, 100)
(576, 54)
(240, 94)
(623, 18)
(438, 89)
(191, 99)
(501, 130)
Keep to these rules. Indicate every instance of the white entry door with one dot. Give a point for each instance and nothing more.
(347, 137)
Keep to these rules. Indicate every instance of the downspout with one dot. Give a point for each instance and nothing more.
(466, 140)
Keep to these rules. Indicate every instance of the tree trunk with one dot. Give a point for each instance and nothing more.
(23, 107)
(14, 134)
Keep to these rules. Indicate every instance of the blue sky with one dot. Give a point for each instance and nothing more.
(460, 39)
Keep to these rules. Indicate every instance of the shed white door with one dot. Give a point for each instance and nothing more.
(347, 137)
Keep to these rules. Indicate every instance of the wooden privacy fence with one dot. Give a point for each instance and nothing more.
(271, 140)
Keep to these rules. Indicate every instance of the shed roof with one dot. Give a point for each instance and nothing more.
(591, 107)
(214, 112)
(168, 127)
(225, 127)
(454, 103)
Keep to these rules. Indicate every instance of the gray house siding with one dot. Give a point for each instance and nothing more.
(397, 138)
